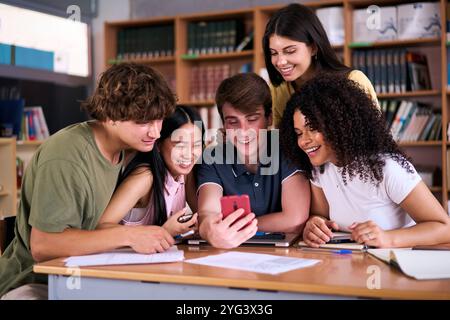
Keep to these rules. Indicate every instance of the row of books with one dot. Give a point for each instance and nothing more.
(393, 70)
(212, 121)
(411, 121)
(206, 78)
(406, 21)
(145, 42)
(218, 37)
(34, 126)
(26, 57)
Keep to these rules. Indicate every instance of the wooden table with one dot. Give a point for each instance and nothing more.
(357, 275)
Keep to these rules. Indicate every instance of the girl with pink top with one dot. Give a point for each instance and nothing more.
(154, 187)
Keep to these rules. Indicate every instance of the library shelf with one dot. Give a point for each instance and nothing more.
(421, 93)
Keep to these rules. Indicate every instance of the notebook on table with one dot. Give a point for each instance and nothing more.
(341, 240)
(419, 264)
(277, 239)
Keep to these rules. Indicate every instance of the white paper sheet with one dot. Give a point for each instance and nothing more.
(127, 256)
(256, 262)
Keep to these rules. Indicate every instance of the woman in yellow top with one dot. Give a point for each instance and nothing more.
(296, 49)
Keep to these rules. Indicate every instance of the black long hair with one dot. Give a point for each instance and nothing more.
(155, 162)
(299, 23)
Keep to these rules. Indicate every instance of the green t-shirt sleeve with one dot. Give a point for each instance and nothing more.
(60, 196)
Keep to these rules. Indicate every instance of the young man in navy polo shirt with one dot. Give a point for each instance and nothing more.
(249, 162)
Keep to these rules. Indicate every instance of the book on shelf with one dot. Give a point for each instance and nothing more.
(37, 123)
(246, 43)
(411, 121)
(206, 78)
(419, 75)
(11, 113)
(419, 20)
(332, 19)
(207, 37)
(145, 42)
(371, 26)
(394, 70)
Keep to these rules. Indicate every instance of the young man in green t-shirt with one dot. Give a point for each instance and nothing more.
(72, 176)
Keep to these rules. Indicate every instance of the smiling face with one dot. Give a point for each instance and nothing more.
(292, 59)
(138, 136)
(243, 129)
(182, 150)
(312, 142)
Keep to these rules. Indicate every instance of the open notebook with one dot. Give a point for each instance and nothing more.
(419, 264)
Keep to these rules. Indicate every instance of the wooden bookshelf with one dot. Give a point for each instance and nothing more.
(158, 60)
(29, 142)
(181, 65)
(8, 192)
(409, 94)
(420, 144)
(219, 56)
(397, 43)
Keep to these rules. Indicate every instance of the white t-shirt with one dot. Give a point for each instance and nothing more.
(359, 202)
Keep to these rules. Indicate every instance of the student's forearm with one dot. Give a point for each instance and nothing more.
(71, 242)
(425, 233)
(277, 222)
(106, 225)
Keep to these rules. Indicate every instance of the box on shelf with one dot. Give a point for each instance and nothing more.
(370, 26)
(419, 20)
(332, 19)
(5, 53)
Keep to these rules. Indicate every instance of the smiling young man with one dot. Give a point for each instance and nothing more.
(248, 162)
(72, 176)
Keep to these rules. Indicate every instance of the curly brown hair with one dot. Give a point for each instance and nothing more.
(351, 124)
(131, 92)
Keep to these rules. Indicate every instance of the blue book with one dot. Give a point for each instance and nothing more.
(11, 112)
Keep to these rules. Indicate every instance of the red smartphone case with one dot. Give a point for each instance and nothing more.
(230, 204)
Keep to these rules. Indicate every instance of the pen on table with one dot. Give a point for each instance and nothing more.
(338, 251)
(184, 235)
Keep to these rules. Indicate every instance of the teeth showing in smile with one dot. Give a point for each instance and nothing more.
(309, 150)
(185, 163)
(244, 141)
(286, 69)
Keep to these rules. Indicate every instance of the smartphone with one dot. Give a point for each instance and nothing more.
(185, 217)
(341, 237)
(230, 204)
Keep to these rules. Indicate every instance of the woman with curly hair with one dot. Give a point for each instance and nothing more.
(361, 181)
(296, 48)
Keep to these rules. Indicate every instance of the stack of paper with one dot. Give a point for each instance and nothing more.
(256, 262)
(127, 256)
